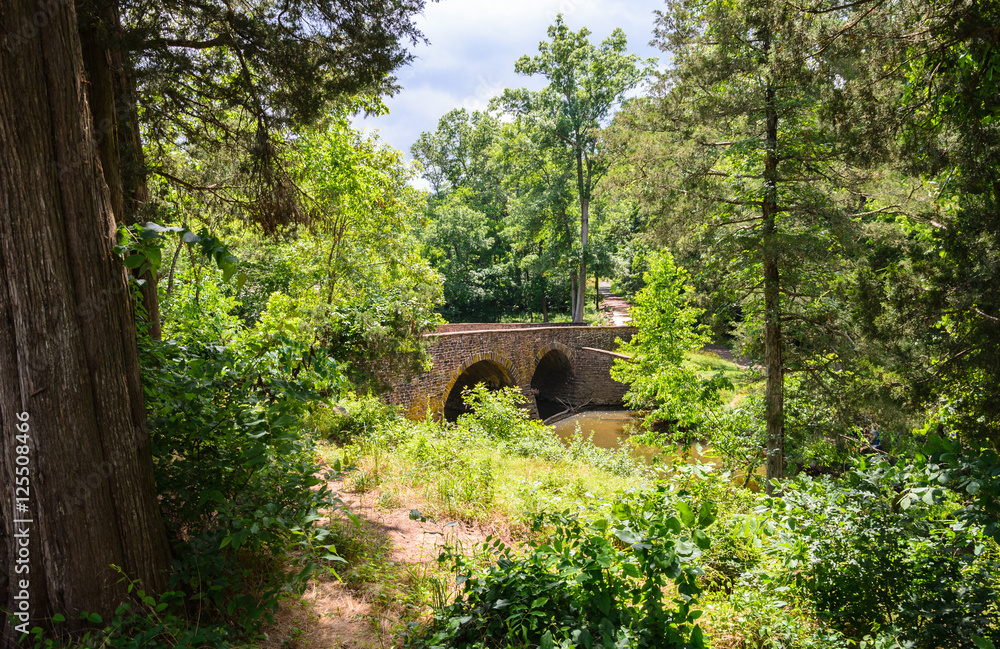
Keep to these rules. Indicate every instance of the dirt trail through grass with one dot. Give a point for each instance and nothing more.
(394, 552)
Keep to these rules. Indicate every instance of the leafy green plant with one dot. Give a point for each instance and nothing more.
(627, 579)
(659, 376)
(141, 622)
(877, 550)
(237, 478)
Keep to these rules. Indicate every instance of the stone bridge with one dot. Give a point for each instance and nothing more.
(555, 366)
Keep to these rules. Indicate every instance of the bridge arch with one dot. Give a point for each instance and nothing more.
(552, 377)
(488, 368)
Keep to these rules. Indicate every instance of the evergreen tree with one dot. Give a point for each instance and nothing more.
(745, 142)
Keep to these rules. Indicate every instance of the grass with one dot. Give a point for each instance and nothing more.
(499, 470)
(456, 475)
(709, 363)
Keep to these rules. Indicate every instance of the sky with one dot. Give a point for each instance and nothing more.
(473, 47)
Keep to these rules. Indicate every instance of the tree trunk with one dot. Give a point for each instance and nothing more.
(597, 293)
(774, 391)
(113, 104)
(68, 356)
(573, 293)
(583, 188)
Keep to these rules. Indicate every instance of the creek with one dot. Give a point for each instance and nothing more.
(610, 430)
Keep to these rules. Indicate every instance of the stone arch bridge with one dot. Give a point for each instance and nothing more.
(555, 366)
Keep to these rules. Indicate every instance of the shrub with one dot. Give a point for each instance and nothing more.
(236, 477)
(875, 551)
(627, 579)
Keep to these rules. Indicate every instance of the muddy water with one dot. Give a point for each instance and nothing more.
(608, 428)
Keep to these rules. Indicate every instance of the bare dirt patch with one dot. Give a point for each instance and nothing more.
(360, 611)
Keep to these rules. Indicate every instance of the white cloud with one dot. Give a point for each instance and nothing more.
(473, 47)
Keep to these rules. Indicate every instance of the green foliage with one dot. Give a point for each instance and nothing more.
(236, 476)
(243, 79)
(586, 83)
(496, 415)
(354, 417)
(481, 280)
(459, 156)
(738, 435)
(660, 378)
(142, 622)
(876, 553)
(198, 310)
(622, 580)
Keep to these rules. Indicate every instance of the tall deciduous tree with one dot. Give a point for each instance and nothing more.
(586, 84)
(753, 147)
(460, 154)
(212, 74)
(68, 355)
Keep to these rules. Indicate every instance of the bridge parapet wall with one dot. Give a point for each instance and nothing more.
(459, 327)
(517, 350)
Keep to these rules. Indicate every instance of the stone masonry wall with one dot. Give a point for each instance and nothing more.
(517, 350)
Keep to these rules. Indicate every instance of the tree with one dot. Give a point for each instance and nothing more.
(748, 142)
(658, 375)
(944, 290)
(460, 155)
(586, 84)
(194, 75)
(71, 400)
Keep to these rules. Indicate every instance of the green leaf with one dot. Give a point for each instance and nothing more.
(697, 637)
(628, 537)
(228, 269)
(547, 642)
(701, 539)
(190, 237)
(983, 643)
(603, 601)
(687, 514)
(706, 515)
(134, 261)
(153, 254)
(58, 617)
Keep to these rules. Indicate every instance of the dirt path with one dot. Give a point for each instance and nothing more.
(364, 613)
(617, 307)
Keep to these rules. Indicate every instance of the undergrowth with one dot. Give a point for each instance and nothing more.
(493, 464)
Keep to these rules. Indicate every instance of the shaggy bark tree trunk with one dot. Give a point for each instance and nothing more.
(68, 357)
(113, 105)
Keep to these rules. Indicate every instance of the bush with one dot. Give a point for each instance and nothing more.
(874, 551)
(627, 579)
(355, 417)
(237, 478)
